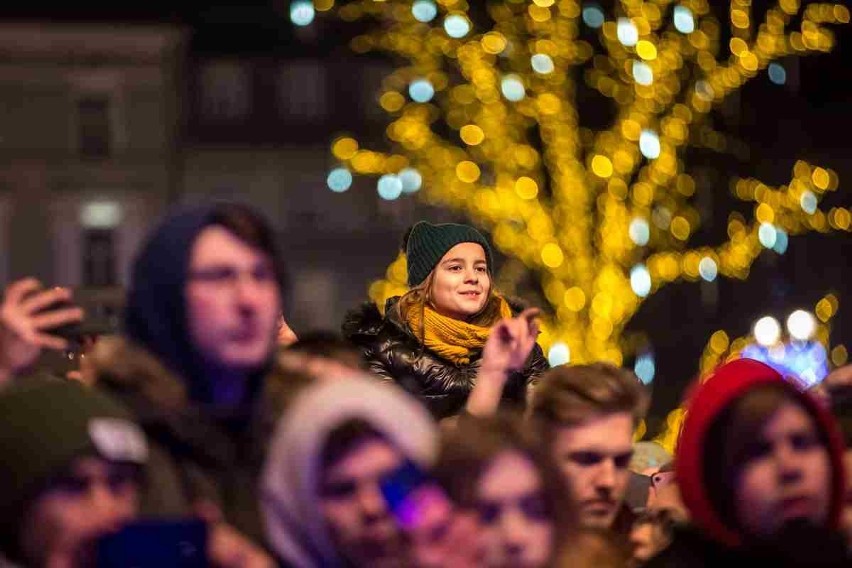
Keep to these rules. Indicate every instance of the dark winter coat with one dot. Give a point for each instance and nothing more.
(394, 353)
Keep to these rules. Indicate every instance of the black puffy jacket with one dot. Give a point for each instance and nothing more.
(393, 352)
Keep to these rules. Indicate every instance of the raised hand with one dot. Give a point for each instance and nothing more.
(25, 325)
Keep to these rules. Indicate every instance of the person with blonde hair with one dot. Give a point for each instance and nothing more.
(431, 340)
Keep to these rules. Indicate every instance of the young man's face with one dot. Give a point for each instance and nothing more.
(95, 498)
(354, 509)
(517, 528)
(786, 477)
(593, 458)
(233, 301)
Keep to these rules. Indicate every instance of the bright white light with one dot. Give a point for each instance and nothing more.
(456, 26)
(808, 201)
(707, 269)
(627, 33)
(593, 16)
(645, 368)
(649, 144)
(639, 231)
(339, 180)
(642, 73)
(767, 331)
(559, 354)
(542, 63)
(801, 325)
(767, 235)
(512, 88)
(302, 12)
(389, 187)
(411, 180)
(640, 280)
(704, 91)
(781, 241)
(777, 73)
(424, 10)
(421, 90)
(684, 22)
(100, 215)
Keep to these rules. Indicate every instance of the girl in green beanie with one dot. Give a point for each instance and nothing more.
(431, 339)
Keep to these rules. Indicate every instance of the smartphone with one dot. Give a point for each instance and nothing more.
(415, 498)
(155, 543)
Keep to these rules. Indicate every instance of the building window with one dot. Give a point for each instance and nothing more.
(99, 260)
(303, 91)
(225, 91)
(93, 120)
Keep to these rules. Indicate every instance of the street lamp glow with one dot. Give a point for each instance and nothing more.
(767, 331)
(801, 325)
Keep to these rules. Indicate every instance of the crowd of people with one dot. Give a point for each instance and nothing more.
(428, 432)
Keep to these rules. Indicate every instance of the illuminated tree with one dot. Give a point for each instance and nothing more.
(486, 115)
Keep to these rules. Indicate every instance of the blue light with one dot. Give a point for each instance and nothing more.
(808, 201)
(639, 231)
(542, 63)
(424, 10)
(707, 269)
(627, 33)
(805, 360)
(456, 26)
(411, 180)
(781, 241)
(302, 12)
(421, 91)
(684, 22)
(777, 73)
(559, 354)
(389, 187)
(593, 16)
(642, 73)
(649, 144)
(767, 235)
(645, 368)
(512, 88)
(339, 180)
(640, 280)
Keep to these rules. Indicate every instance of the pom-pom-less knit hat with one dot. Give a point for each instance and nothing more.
(425, 244)
(727, 384)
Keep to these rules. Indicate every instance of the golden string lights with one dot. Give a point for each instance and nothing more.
(485, 121)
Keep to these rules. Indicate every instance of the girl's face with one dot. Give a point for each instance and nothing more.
(517, 529)
(786, 476)
(460, 282)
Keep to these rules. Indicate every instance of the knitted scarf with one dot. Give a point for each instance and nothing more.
(449, 338)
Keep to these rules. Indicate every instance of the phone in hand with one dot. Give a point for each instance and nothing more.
(155, 543)
(415, 498)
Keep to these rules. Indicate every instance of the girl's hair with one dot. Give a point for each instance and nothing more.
(731, 439)
(468, 450)
(420, 296)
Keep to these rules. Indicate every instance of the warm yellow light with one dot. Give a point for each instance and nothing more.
(493, 43)
(392, 101)
(574, 299)
(467, 171)
(526, 188)
(839, 356)
(602, 166)
(764, 213)
(821, 178)
(551, 255)
(680, 228)
(719, 342)
(344, 148)
(471, 134)
(646, 50)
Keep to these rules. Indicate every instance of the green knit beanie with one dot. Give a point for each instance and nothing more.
(44, 425)
(425, 244)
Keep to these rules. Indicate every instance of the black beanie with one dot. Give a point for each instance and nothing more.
(47, 423)
(425, 244)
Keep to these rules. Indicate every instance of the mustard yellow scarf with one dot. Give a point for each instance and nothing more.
(449, 338)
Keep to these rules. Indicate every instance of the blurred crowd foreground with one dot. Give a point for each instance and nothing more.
(428, 432)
